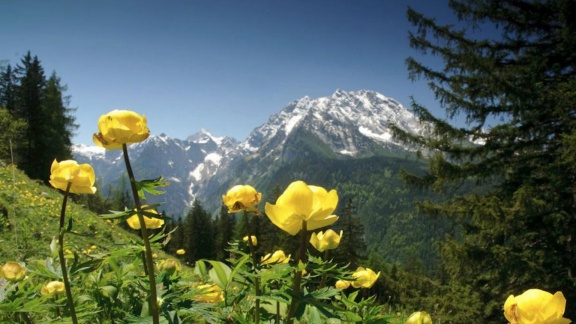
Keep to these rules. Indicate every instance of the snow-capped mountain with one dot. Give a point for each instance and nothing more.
(183, 163)
(348, 125)
(342, 121)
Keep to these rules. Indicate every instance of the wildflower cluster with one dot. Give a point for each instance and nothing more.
(137, 283)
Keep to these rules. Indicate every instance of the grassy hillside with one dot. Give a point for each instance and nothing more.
(107, 278)
(29, 214)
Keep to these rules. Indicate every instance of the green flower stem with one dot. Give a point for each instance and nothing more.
(254, 263)
(298, 274)
(69, 296)
(149, 265)
(323, 280)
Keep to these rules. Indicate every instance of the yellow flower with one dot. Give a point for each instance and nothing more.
(169, 265)
(536, 306)
(210, 293)
(120, 127)
(242, 197)
(81, 177)
(276, 257)
(151, 222)
(419, 318)
(13, 271)
(325, 241)
(365, 278)
(253, 238)
(301, 202)
(342, 284)
(53, 287)
(180, 251)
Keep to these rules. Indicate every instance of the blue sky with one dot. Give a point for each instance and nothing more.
(222, 65)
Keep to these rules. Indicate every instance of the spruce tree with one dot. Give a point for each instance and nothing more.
(29, 95)
(198, 234)
(57, 139)
(8, 88)
(352, 248)
(224, 226)
(509, 70)
(41, 105)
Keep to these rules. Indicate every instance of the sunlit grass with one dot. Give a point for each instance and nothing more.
(29, 215)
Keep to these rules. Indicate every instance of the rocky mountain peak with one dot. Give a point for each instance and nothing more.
(349, 123)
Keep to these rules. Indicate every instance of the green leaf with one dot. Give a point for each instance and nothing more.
(200, 269)
(220, 273)
(150, 186)
(117, 214)
(238, 265)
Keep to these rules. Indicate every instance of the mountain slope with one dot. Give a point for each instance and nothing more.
(346, 124)
(30, 213)
(342, 141)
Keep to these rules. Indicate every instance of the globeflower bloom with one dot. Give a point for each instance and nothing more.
(151, 222)
(342, 284)
(13, 271)
(120, 127)
(169, 265)
(276, 257)
(53, 287)
(210, 293)
(325, 241)
(419, 318)
(242, 197)
(536, 306)
(81, 177)
(252, 238)
(180, 251)
(301, 202)
(365, 278)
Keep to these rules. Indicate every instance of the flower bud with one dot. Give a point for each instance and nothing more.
(13, 271)
(81, 177)
(328, 240)
(120, 127)
(169, 265)
(365, 278)
(253, 238)
(150, 222)
(242, 197)
(342, 284)
(52, 288)
(276, 257)
(536, 306)
(419, 318)
(209, 293)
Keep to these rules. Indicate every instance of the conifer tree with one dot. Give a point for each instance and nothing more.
(509, 69)
(176, 241)
(198, 234)
(352, 248)
(29, 95)
(224, 225)
(57, 139)
(40, 104)
(8, 88)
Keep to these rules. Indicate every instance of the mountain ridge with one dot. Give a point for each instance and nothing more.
(349, 124)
